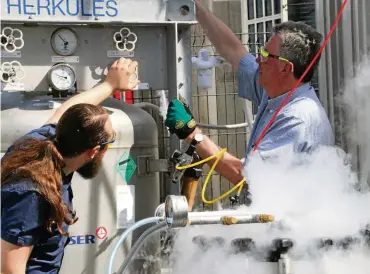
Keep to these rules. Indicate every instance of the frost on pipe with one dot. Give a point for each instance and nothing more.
(230, 219)
(177, 215)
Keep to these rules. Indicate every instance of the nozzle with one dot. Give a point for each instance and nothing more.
(266, 218)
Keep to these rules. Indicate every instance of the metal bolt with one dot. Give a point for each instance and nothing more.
(184, 10)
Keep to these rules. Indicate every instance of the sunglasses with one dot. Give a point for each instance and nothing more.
(110, 142)
(265, 55)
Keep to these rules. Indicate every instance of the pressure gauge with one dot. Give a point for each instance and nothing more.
(61, 77)
(64, 41)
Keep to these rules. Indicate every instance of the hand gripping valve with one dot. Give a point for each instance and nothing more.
(190, 175)
(179, 159)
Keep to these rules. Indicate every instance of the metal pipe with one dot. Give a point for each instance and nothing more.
(230, 220)
(217, 213)
(284, 264)
(177, 215)
(210, 126)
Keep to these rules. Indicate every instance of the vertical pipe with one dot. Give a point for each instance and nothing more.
(179, 69)
(172, 76)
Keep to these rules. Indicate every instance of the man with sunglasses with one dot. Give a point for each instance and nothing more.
(36, 174)
(302, 124)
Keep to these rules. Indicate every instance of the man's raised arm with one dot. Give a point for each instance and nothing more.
(222, 37)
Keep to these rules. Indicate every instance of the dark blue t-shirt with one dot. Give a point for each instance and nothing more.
(24, 212)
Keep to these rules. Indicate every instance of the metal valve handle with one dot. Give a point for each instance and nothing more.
(123, 43)
(12, 72)
(11, 39)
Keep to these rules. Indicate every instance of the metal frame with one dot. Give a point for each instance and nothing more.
(180, 77)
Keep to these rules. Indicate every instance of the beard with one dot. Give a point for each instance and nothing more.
(91, 168)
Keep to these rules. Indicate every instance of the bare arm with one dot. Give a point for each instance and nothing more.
(118, 78)
(229, 166)
(14, 258)
(222, 37)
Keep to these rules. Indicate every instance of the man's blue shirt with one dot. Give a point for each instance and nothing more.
(24, 213)
(302, 123)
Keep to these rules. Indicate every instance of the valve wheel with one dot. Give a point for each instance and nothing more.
(11, 39)
(125, 40)
(12, 72)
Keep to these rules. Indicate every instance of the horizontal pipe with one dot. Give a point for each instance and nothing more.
(210, 126)
(217, 213)
(230, 220)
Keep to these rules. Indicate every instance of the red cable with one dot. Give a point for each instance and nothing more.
(300, 79)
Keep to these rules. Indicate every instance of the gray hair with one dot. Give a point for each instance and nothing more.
(299, 44)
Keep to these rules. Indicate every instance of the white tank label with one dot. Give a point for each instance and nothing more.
(12, 87)
(125, 204)
(13, 54)
(66, 59)
(119, 53)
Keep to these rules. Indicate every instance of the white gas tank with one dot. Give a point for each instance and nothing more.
(112, 201)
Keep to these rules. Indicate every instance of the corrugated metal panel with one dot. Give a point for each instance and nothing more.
(345, 51)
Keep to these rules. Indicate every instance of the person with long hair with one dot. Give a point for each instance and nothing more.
(36, 174)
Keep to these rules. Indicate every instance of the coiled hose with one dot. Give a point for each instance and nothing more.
(139, 244)
(218, 157)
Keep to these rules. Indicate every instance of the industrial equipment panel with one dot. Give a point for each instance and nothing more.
(86, 53)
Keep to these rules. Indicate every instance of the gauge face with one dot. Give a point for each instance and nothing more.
(62, 77)
(64, 41)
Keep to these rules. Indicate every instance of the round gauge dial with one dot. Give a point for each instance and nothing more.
(62, 77)
(64, 41)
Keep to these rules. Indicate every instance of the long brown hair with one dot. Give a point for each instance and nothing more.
(80, 128)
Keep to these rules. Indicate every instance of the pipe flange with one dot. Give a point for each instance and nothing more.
(125, 39)
(12, 72)
(176, 210)
(160, 211)
(11, 39)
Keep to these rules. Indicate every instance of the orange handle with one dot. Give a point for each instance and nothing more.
(189, 189)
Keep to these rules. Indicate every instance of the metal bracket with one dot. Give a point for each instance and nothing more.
(146, 165)
(181, 10)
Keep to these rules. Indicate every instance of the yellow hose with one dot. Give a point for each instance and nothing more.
(219, 155)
